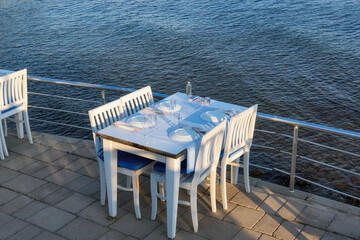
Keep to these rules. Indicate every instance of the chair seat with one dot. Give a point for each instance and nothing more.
(128, 160)
(161, 167)
(9, 109)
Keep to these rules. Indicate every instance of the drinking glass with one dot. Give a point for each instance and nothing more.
(176, 119)
(207, 101)
(172, 104)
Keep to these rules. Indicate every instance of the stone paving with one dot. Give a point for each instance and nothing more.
(50, 190)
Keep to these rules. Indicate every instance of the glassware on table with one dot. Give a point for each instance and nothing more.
(153, 120)
(173, 104)
(207, 101)
(176, 118)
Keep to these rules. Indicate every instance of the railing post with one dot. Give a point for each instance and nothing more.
(293, 158)
(103, 96)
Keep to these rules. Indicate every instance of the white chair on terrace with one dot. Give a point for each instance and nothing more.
(14, 101)
(206, 164)
(135, 101)
(238, 142)
(128, 164)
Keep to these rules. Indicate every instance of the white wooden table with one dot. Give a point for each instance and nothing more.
(168, 152)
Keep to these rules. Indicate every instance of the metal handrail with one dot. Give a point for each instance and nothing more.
(295, 123)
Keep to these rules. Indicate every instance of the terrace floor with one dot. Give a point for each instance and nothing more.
(50, 190)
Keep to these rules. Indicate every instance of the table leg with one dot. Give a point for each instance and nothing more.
(172, 194)
(110, 160)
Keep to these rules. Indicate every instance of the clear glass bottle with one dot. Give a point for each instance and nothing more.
(188, 89)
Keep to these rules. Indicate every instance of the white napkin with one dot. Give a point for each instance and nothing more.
(126, 126)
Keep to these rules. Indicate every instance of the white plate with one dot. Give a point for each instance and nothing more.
(184, 135)
(140, 121)
(213, 116)
(165, 106)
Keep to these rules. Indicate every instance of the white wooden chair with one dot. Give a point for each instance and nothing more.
(14, 101)
(135, 101)
(128, 164)
(238, 142)
(206, 164)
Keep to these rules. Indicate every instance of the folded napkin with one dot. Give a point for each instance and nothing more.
(154, 110)
(126, 126)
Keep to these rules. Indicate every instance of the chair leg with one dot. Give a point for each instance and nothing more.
(2, 139)
(27, 127)
(153, 186)
(136, 189)
(102, 183)
(19, 124)
(128, 181)
(235, 173)
(223, 186)
(162, 190)
(193, 206)
(246, 172)
(5, 127)
(213, 189)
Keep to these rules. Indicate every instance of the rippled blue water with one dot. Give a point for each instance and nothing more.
(295, 58)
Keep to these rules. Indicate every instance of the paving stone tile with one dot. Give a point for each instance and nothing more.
(252, 199)
(316, 217)
(346, 225)
(267, 237)
(5, 218)
(288, 230)
(183, 235)
(86, 143)
(66, 147)
(268, 224)
(87, 152)
(79, 183)
(160, 233)
(47, 236)
(44, 191)
(12, 141)
(231, 190)
(204, 206)
(78, 164)
(138, 228)
(24, 184)
(46, 171)
(27, 233)
(334, 236)
(82, 229)
(7, 195)
(46, 141)
(185, 220)
(33, 168)
(75, 203)
(17, 162)
(29, 209)
(97, 213)
(7, 174)
(113, 235)
(65, 160)
(290, 210)
(91, 188)
(310, 233)
(247, 234)
(10, 228)
(29, 150)
(210, 228)
(334, 204)
(15, 204)
(272, 204)
(63, 177)
(91, 170)
(51, 218)
(50, 155)
(57, 196)
(244, 217)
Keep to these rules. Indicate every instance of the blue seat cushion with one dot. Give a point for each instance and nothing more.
(9, 109)
(161, 167)
(128, 160)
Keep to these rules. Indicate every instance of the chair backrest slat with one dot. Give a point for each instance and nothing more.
(13, 88)
(104, 116)
(135, 101)
(209, 152)
(240, 131)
